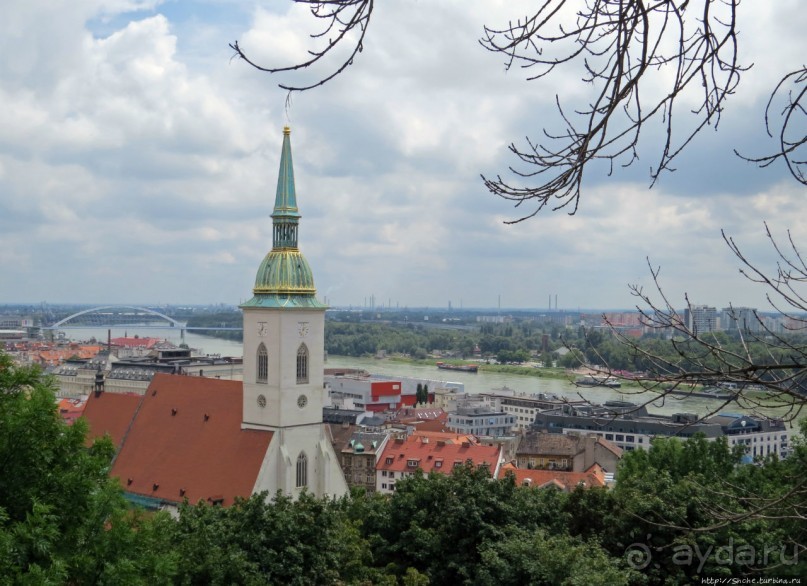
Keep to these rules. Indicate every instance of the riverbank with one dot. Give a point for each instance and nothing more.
(526, 370)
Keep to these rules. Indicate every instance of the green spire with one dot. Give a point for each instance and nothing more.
(285, 216)
(284, 279)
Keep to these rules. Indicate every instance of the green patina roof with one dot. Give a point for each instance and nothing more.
(284, 279)
(286, 196)
(285, 302)
(285, 272)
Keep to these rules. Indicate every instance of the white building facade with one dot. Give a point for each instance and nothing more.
(631, 427)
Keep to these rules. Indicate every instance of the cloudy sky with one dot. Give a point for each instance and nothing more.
(138, 163)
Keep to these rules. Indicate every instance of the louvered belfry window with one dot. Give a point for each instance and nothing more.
(302, 364)
(262, 374)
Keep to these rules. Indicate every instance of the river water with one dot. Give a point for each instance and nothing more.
(485, 382)
(204, 344)
(480, 382)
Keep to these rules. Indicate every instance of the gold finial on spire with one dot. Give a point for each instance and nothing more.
(286, 130)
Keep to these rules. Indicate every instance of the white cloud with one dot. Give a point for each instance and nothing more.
(140, 165)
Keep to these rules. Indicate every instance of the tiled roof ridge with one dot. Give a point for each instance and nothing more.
(128, 429)
(402, 452)
(613, 448)
(594, 476)
(186, 441)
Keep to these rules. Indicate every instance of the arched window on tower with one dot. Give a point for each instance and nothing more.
(302, 364)
(302, 470)
(262, 372)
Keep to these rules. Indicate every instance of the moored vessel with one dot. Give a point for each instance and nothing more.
(591, 380)
(460, 367)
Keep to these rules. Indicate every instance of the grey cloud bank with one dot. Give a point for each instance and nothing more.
(138, 164)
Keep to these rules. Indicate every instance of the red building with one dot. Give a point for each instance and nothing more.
(370, 394)
(432, 452)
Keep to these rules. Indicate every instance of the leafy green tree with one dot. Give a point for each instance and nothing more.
(439, 524)
(62, 519)
(466, 346)
(682, 502)
(540, 558)
(572, 359)
(277, 541)
(419, 353)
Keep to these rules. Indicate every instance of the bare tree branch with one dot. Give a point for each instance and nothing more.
(672, 63)
(768, 372)
(619, 45)
(792, 134)
(341, 17)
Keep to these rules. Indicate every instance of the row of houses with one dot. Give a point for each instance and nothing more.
(499, 418)
(49, 354)
(630, 426)
(541, 440)
(183, 439)
(698, 318)
(503, 414)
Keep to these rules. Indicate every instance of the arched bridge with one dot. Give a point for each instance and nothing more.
(108, 316)
(114, 315)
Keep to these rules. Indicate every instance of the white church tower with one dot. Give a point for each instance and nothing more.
(284, 348)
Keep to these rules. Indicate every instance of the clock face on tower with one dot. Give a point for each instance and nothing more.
(302, 329)
(261, 401)
(302, 401)
(262, 329)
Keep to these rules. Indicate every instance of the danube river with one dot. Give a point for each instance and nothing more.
(481, 382)
(204, 344)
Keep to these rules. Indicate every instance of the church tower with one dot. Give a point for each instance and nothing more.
(284, 348)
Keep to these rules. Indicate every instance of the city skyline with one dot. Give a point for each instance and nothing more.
(138, 163)
(27, 308)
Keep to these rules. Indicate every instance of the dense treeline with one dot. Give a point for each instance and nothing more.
(506, 342)
(517, 342)
(224, 319)
(359, 339)
(678, 513)
(521, 341)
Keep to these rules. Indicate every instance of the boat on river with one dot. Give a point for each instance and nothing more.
(459, 367)
(593, 380)
(718, 393)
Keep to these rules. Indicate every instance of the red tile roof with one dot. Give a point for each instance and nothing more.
(433, 425)
(85, 352)
(420, 413)
(110, 413)
(53, 355)
(71, 409)
(449, 437)
(186, 442)
(135, 342)
(430, 454)
(567, 481)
